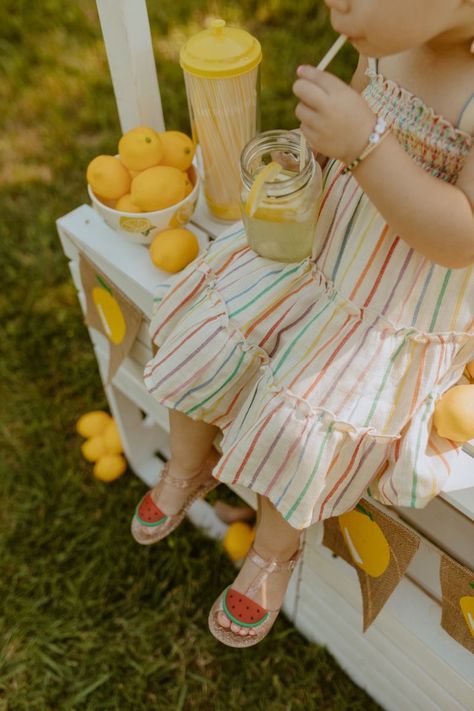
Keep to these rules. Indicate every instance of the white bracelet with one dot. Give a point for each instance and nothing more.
(379, 132)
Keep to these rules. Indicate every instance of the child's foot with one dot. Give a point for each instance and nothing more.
(267, 594)
(162, 509)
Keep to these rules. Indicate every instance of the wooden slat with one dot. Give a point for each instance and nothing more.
(129, 49)
(410, 619)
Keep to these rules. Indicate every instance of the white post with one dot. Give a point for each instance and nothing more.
(127, 39)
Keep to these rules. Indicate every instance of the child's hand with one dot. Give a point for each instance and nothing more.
(335, 119)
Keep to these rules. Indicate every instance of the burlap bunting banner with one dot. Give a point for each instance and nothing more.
(457, 587)
(109, 312)
(377, 546)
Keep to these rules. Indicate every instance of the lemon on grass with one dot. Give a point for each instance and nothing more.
(178, 149)
(257, 192)
(92, 423)
(108, 177)
(238, 539)
(454, 414)
(94, 448)
(171, 250)
(140, 148)
(109, 467)
(112, 441)
(158, 188)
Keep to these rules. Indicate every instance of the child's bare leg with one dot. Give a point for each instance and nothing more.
(274, 538)
(191, 442)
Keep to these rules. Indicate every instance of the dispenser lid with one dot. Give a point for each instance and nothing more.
(220, 51)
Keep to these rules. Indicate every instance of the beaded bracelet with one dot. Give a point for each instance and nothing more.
(380, 132)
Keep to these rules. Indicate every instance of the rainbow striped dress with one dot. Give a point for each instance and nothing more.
(323, 374)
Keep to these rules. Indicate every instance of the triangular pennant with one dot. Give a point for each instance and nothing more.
(457, 587)
(110, 312)
(377, 546)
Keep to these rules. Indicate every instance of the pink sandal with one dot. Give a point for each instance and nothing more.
(158, 524)
(241, 609)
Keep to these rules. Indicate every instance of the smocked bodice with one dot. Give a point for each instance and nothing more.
(432, 140)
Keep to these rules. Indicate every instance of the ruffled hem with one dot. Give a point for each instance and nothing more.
(291, 447)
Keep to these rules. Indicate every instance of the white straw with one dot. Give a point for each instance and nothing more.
(325, 61)
(331, 53)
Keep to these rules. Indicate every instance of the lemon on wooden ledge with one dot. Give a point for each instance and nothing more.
(173, 249)
(453, 416)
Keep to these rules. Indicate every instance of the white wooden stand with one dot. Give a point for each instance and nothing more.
(405, 660)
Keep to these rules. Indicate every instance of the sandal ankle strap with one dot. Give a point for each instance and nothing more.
(177, 482)
(271, 564)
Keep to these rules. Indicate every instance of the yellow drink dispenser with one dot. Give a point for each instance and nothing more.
(221, 73)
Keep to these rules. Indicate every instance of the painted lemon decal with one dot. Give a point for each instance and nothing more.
(467, 607)
(136, 224)
(367, 544)
(182, 215)
(109, 312)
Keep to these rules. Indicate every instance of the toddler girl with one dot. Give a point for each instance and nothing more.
(323, 375)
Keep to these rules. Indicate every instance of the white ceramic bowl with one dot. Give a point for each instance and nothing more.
(141, 227)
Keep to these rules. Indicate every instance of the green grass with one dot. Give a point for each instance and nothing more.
(88, 619)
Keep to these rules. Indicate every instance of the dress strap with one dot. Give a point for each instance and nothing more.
(465, 121)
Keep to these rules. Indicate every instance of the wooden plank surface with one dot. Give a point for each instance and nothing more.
(129, 49)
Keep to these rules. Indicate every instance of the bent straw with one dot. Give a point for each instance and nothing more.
(325, 61)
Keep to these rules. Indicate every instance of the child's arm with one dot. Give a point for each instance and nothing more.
(435, 218)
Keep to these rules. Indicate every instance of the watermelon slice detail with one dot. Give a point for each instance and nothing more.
(148, 513)
(241, 609)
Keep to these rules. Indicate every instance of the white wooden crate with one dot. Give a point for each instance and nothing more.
(405, 660)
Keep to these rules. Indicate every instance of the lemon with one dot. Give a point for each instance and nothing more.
(238, 539)
(126, 204)
(140, 148)
(454, 414)
(171, 250)
(188, 187)
(158, 188)
(104, 201)
(94, 448)
(109, 467)
(112, 439)
(266, 175)
(108, 177)
(178, 149)
(92, 423)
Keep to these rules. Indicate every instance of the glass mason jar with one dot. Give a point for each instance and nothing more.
(283, 221)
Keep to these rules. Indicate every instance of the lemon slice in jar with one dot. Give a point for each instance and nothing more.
(267, 175)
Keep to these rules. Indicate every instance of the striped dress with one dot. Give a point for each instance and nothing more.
(323, 374)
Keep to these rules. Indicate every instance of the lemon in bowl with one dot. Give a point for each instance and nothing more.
(141, 225)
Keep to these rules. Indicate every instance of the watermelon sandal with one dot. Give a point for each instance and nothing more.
(150, 524)
(240, 608)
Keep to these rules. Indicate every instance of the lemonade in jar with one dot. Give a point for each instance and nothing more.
(280, 185)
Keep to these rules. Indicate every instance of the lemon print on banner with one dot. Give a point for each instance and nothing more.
(109, 311)
(467, 607)
(136, 224)
(367, 544)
